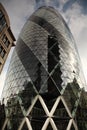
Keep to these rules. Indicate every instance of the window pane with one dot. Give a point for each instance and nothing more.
(3, 53)
(2, 23)
(5, 40)
(1, 14)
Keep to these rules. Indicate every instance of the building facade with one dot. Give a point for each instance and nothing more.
(44, 84)
(6, 36)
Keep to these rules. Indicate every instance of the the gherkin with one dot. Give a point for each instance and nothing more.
(43, 89)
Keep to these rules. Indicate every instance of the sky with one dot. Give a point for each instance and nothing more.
(73, 11)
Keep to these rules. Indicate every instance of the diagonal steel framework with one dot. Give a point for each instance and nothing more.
(48, 113)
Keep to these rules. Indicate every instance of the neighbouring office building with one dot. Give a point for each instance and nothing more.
(6, 36)
(44, 88)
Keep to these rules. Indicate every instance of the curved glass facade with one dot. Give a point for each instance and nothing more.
(44, 80)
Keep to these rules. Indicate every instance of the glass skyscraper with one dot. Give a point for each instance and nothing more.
(44, 84)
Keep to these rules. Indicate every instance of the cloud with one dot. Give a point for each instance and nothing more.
(77, 22)
(19, 11)
(39, 3)
(83, 4)
(53, 3)
(74, 16)
(68, 4)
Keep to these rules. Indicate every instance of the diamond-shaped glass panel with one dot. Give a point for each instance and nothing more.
(61, 112)
(41, 76)
(55, 51)
(57, 77)
(61, 124)
(72, 127)
(51, 94)
(13, 123)
(25, 127)
(37, 116)
(37, 124)
(26, 96)
(51, 62)
(13, 108)
(51, 41)
(49, 101)
(49, 127)
(37, 111)
(70, 97)
(53, 91)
